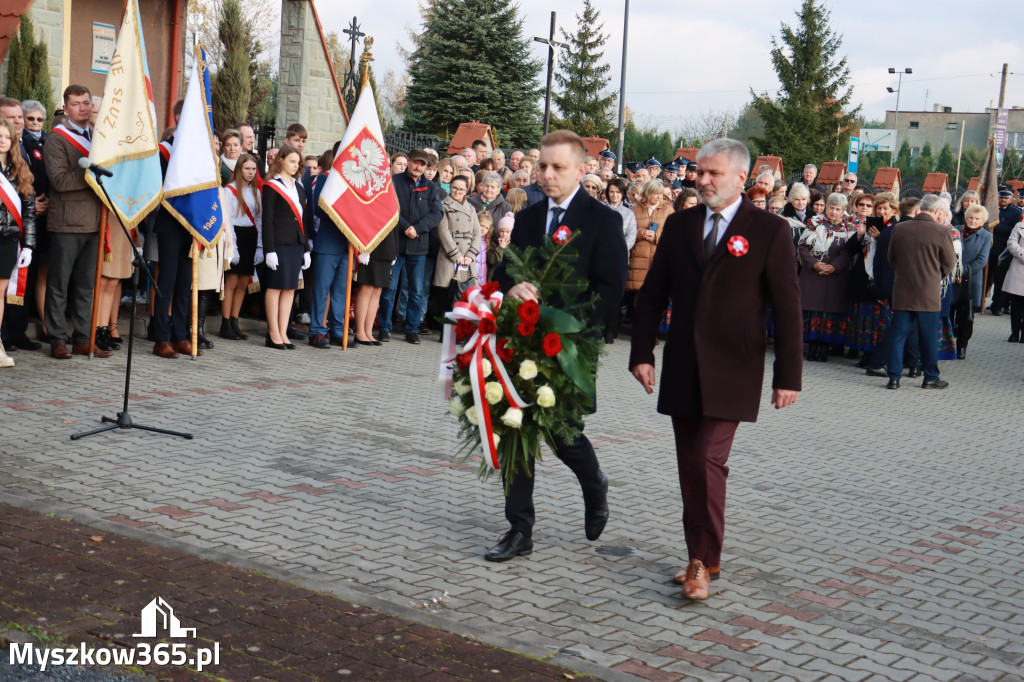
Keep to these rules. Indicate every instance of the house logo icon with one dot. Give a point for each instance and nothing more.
(158, 614)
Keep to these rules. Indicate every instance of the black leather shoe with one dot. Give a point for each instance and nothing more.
(914, 373)
(876, 372)
(413, 339)
(938, 383)
(384, 335)
(25, 343)
(996, 312)
(893, 385)
(961, 353)
(595, 514)
(511, 545)
(295, 335)
(1014, 338)
(863, 362)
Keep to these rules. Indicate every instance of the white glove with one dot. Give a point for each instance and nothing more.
(306, 260)
(272, 260)
(235, 256)
(364, 258)
(311, 244)
(259, 256)
(138, 250)
(24, 258)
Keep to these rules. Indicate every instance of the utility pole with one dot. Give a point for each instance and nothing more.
(1002, 86)
(622, 90)
(552, 44)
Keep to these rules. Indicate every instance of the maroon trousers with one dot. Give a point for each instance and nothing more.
(702, 450)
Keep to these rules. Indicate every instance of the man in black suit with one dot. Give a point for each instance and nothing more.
(602, 262)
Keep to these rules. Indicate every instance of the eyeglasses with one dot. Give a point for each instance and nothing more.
(453, 190)
(849, 180)
(35, 119)
(760, 202)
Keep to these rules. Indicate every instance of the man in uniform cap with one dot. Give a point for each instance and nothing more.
(631, 169)
(1009, 216)
(690, 177)
(606, 160)
(653, 167)
(670, 171)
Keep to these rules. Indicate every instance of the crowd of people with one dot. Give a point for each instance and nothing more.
(284, 261)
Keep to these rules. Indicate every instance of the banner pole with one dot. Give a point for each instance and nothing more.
(348, 296)
(195, 298)
(96, 287)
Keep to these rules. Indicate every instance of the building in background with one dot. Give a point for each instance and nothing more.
(942, 125)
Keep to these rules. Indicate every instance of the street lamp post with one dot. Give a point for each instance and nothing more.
(622, 89)
(896, 115)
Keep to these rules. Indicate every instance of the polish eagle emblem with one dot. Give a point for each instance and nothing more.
(368, 170)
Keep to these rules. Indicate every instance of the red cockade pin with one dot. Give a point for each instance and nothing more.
(738, 246)
(561, 235)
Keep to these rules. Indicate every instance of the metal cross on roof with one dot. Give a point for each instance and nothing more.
(350, 83)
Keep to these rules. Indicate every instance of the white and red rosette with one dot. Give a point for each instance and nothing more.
(561, 235)
(738, 246)
(479, 308)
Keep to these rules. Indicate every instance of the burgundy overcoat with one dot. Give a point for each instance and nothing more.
(714, 356)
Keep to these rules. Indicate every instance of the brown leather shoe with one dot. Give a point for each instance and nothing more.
(695, 585)
(59, 351)
(185, 348)
(164, 349)
(714, 573)
(84, 350)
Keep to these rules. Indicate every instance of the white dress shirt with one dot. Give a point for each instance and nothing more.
(727, 212)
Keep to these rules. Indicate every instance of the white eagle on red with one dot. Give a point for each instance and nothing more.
(368, 167)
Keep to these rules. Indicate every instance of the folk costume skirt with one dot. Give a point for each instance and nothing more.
(289, 266)
(866, 324)
(824, 327)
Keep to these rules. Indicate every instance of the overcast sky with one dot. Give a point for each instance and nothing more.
(707, 56)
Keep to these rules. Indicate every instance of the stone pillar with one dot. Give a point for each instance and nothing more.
(305, 91)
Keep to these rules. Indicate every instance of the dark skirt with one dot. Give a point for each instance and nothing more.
(246, 237)
(824, 327)
(8, 256)
(289, 265)
(375, 274)
(866, 324)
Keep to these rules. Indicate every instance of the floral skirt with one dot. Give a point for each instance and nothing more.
(947, 344)
(824, 327)
(866, 324)
(666, 320)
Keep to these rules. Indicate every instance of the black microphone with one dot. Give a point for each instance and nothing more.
(86, 164)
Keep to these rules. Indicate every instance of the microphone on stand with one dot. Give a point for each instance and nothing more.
(86, 164)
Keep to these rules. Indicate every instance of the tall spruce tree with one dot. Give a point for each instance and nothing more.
(231, 87)
(925, 162)
(582, 78)
(472, 62)
(28, 75)
(904, 160)
(946, 162)
(805, 123)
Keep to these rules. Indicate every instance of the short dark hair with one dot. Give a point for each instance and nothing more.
(73, 89)
(478, 142)
(908, 205)
(9, 102)
(296, 129)
(619, 183)
(176, 109)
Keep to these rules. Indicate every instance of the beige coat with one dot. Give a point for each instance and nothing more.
(459, 233)
(643, 251)
(1014, 282)
(213, 262)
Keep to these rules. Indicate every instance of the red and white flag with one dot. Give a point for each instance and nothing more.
(358, 194)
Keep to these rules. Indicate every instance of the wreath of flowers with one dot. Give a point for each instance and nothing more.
(521, 373)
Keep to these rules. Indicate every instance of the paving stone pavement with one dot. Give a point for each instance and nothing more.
(870, 534)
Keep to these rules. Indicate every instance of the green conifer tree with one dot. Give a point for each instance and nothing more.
(946, 162)
(28, 75)
(903, 160)
(472, 62)
(582, 78)
(231, 87)
(805, 123)
(925, 162)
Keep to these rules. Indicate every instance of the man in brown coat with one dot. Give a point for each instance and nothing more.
(73, 227)
(722, 264)
(921, 255)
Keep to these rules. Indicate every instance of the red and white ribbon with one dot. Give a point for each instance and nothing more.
(477, 308)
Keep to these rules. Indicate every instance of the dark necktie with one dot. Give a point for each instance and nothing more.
(712, 239)
(556, 216)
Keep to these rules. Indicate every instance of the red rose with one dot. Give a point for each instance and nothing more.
(489, 289)
(464, 329)
(463, 360)
(552, 344)
(465, 296)
(561, 235)
(529, 311)
(504, 352)
(526, 328)
(488, 326)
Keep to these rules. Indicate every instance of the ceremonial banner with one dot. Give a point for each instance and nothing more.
(358, 194)
(192, 183)
(125, 140)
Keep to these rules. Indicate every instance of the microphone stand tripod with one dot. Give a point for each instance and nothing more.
(124, 420)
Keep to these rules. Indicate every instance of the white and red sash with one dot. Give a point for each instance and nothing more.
(278, 186)
(245, 204)
(76, 140)
(19, 276)
(165, 150)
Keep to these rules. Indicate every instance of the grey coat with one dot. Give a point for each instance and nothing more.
(459, 235)
(1014, 281)
(976, 251)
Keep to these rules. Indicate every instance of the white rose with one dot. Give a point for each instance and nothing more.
(512, 418)
(545, 396)
(473, 415)
(528, 369)
(493, 392)
(497, 439)
(486, 364)
(456, 406)
(462, 388)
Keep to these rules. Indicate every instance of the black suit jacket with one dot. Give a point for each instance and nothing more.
(601, 247)
(279, 223)
(32, 152)
(713, 364)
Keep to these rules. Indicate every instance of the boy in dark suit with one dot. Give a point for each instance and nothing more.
(721, 263)
(601, 261)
